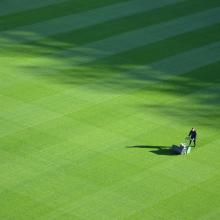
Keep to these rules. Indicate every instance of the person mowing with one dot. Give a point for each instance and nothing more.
(192, 136)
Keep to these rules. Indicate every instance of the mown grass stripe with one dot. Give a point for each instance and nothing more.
(149, 55)
(143, 76)
(82, 20)
(176, 65)
(161, 49)
(203, 96)
(56, 169)
(110, 28)
(149, 78)
(128, 23)
(14, 6)
(122, 187)
(188, 85)
(141, 37)
(59, 9)
(200, 86)
(189, 60)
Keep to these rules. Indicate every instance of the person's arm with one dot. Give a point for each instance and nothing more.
(190, 133)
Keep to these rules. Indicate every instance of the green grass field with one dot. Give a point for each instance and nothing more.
(92, 94)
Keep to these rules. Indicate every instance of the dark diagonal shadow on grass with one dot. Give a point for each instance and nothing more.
(159, 150)
(171, 77)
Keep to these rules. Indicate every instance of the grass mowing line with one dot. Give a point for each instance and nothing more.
(116, 59)
(134, 39)
(27, 113)
(111, 98)
(40, 122)
(31, 163)
(105, 200)
(34, 194)
(48, 157)
(22, 184)
(159, 70)
(68, 206)
(67, 7)
(162, 49)
(20, 160)
(195, 92)
(44, 157)
(203, 51)
(125, 24)
(185, 196)
(180, 109)
(189, 60)
(13, 126)
(77, 204)
(28, 142)
(174, 65)
(15, 6)
(82, 20)
(196, 58)
(119, 132)
(140, 37)
(146, 35)
(110, 28)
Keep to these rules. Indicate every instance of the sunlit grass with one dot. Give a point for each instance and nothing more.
(85, 132)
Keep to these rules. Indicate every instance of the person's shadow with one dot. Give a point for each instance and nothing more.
(159, 150)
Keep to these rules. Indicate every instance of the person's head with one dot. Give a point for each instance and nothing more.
(193, 129)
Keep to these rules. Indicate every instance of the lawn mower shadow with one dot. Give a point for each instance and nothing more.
(159, 150)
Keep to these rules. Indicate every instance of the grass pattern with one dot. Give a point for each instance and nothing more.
(87, 115)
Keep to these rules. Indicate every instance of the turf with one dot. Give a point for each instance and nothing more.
(93, 94)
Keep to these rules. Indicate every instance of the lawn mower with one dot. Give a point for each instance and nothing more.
(182, 148)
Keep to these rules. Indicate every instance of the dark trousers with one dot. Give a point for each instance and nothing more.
(194, 141)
